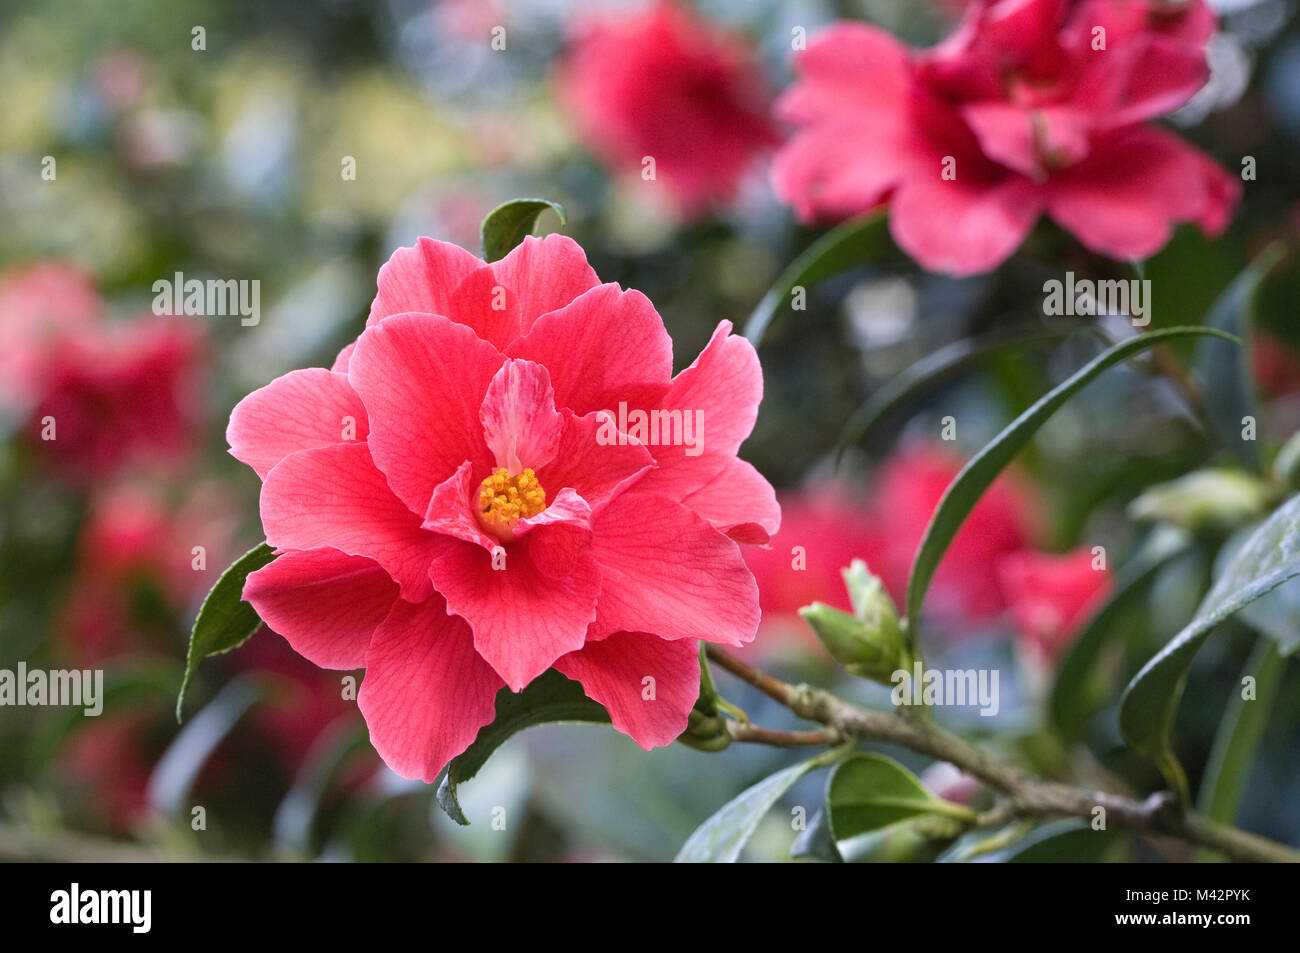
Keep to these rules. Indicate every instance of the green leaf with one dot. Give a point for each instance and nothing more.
(548, 698)
(870, 792)
(815, 843)
(1065, 841)
(225, 621)
(511, 222)
(1238, 737)
(978, 475)
(720, 839)
(933, 369)
(852, 243)
(1269, 558)
(1074, 698)
(1224, 370)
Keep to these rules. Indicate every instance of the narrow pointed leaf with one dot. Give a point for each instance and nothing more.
(853, 243)
(548, 698)
(720, 839)
(511, 222)
(1224, 369)
(225, 620)
(978, 475)
(1270, 557)
(1238, 738)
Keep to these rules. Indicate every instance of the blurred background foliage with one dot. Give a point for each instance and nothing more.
(225, 162)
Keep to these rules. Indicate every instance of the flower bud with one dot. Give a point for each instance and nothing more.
(868, 643)
(1206, 500)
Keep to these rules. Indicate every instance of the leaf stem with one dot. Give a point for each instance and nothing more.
(1027, 797)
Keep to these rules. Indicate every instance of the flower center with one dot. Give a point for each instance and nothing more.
(503, 500)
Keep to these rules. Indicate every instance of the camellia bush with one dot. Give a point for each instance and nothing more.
(909, 431)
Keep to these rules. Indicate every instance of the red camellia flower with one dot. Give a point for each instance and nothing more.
(118, 394)
(664, 84)
(1050, 597)
(40, 306)
(908, 489)
(499, 477)
(823, 529)
(1031, 107)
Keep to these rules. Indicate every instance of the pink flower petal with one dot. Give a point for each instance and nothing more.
(614, 672)
(334, 496)
(422, 379)
(520, 423)
(451, 509)
(523, 619)
(959, 226)
(1125, 198)
(483, 303)
(597, 471)
(303, 409)
(426, 692)
(545, 274)
(664, 570)
(325, 603)
(738, 501)
(422, 279)
(596, 345)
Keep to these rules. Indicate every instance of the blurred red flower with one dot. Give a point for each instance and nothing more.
(908, 490)
(120, 394)
(1030, 107)
(40, 306)
(1050, 597)
(666, 84)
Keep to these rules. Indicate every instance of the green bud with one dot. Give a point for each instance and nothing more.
(868, 643)
(1206, 500)
(1286, 465)
(706, 728)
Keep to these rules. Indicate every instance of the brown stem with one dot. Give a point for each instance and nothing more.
(1026, 796)
(782, 739)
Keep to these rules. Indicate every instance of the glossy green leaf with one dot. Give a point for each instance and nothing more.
(978, 475)
(1223, 369)
(225, 620)
(1269, 558)
(1066, 841)
(870, 792)
(852, 243)
(932, 370)
(511, 222)
(1238, 737)
(548, 698)
(1074, 698)
(815, 843)
(720, 839)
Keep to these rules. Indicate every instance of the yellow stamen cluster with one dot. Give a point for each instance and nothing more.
(504, 499)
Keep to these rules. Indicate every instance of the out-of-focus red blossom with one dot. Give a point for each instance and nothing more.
(1050, 597)
(41, 305)
(487, 517)
(907, 491)
(121, 394)
(823, 529)
(1027, 115)
(663, 82)
(106, 763)
(1276, 364)
(132, 542)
